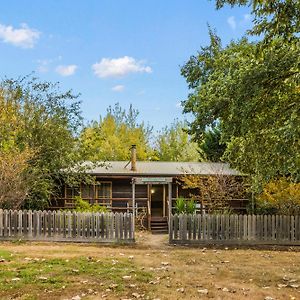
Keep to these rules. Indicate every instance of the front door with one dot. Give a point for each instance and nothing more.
(157, 200)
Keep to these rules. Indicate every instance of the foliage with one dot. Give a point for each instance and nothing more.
(255, 99)
(180, 205)
(215, 192)
(280, 196)
(252, 91)
(141, 218)
(15, 180)
(190, 206)
(272, 18)
(36, 116)
(174, 144)
(83, 206)
(212, 147)
(184, 206)
(112, 137)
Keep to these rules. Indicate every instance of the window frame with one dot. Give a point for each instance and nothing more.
(97, 185)
(75, 191)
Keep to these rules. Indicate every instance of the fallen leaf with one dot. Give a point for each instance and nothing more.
(203, 291)
(16, 279)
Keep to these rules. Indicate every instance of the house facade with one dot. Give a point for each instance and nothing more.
(145, 185)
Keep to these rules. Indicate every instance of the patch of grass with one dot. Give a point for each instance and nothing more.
(35, 276)
(19, 241)
(5, 254)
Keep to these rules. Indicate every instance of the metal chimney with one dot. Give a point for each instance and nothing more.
(133, 158)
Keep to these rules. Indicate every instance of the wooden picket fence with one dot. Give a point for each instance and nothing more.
(234, 229)
(66, 226)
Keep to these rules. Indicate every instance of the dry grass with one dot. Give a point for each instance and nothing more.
(156, 269)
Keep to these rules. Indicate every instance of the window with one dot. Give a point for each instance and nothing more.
(104, 190)
(87, 191)
(72, 192)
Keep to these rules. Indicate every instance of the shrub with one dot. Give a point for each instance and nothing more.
(190, 206)
(83, 206)
(185, 206)
(180, 205)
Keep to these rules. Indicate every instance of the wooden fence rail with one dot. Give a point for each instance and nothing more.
(66, 226)
(234, 229)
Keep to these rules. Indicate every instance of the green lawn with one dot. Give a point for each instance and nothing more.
(33, 277)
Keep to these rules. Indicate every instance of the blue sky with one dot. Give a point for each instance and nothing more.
(126, 51)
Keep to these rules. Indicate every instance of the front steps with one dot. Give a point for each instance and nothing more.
(159, 225)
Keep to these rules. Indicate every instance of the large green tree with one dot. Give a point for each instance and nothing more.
(173, 143)
(255, 98)
(211, 145)
(39, 118)
(111, 138)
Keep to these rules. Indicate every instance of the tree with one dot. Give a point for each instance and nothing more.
(215, 193)
(212, 147)
(111, 138)
(280, 196)
(37, 116)
(175, 144)
(272, 18)
(256, 99)
(15, 180)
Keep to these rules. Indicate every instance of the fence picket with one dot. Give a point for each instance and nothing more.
(297, 228)
(199, 226)
(174, 224)
(208, 227)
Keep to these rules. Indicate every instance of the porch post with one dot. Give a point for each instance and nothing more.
(133, 204)
(170, 208)
(170, 199)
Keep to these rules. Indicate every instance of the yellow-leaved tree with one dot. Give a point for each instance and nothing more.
(280, 196)
(112, 137)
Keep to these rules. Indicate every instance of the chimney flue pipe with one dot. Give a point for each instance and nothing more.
(133, 158)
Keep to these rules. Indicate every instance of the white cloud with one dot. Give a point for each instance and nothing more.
(118, 88)
(23, 37)
(231, 21)
(44, 65)
(247, 17)
(178, 105)
(241, 21)
(117, 67)
(66, 70)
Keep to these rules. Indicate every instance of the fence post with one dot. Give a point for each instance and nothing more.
(1, 223)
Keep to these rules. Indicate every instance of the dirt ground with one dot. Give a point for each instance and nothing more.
(166, 271)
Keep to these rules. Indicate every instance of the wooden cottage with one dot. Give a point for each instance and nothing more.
(145, 185)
